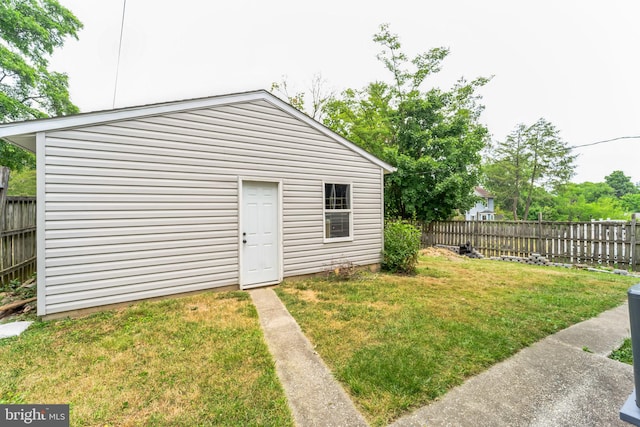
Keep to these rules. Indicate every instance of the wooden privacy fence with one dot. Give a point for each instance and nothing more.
(608, 243)
(17, 238)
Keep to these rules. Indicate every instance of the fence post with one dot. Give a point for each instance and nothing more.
(475, 231)
(635, 256)
(4, 186)
(539, 248)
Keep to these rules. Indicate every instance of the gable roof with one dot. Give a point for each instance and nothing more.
(23, 133)
(481, 192)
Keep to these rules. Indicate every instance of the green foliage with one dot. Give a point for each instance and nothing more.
(531, 158)
(401, 247)
(592, 192)
(541, 201)
(579, 210)
(577, 202)
(432, 137)
(624, 353)
(585, 201)
(30, 31)
(366, 117)
(22, 183)
(580, 202)
(631, 202)
(16, 158)
(621, 184)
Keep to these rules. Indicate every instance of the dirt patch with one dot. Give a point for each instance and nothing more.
(441, 252)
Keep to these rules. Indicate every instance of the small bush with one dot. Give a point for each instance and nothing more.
(341, 270)
(401, 247)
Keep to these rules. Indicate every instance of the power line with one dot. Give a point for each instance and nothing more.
(115, 87)
(602, 142)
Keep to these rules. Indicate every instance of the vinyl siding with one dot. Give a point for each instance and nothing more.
(149, 207)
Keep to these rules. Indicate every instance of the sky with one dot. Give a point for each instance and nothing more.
(574, 63)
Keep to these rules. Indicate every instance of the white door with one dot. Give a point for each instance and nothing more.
(260, 234)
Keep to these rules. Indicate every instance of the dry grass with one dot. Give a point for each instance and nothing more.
(398, 342)
(434, 252)
(188, 361)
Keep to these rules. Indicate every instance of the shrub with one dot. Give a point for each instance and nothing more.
(401, 247)
(341, 270)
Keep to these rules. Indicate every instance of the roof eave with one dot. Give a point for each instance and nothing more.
(95, 117)
(26, 141)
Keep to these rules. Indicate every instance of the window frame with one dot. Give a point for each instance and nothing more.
(348, 238)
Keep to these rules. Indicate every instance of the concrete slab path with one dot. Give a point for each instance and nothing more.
(565, 379)
(13, 329)
(314, 396)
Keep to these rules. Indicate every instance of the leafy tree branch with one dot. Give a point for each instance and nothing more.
(30, 31)
(433, 137)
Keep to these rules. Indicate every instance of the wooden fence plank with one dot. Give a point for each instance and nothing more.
(18, 239)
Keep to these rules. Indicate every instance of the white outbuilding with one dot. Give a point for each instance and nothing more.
(238, 190)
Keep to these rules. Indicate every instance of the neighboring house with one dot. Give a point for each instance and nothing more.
(484, 209)
(230, 191)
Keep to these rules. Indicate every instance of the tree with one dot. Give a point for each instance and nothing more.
(432, 137)
(22, 183)
(529, 158)
(505, 172)
(621, 183)
(631, 202)
(281, 89)
(30, 30)
(366, 117)
(320, 95)
(584, 201)
(16, 158)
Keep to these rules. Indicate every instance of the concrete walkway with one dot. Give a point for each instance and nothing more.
(565, 379)
(555, 382)
(314, 396)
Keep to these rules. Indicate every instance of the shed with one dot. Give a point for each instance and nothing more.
(239, 190)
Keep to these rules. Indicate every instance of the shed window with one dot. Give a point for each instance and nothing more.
(337, 211)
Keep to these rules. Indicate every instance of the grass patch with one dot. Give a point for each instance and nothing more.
(397, 343)
(198, 360)
(623, 353)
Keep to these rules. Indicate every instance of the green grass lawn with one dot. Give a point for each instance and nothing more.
(397, 343)
(198, 360)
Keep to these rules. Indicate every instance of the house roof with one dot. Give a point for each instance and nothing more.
(24, 133)
(481, 192)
